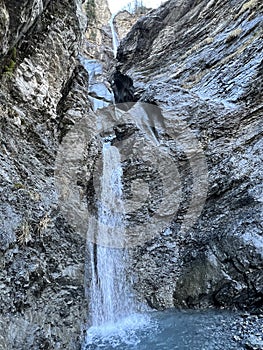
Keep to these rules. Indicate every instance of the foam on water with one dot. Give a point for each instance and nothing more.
(169, 330)
(127, 332)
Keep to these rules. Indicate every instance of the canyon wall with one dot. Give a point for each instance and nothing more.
(192, 161)
(200, 63)
(43, 90)
(98, 43)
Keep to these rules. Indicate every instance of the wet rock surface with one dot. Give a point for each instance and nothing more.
(42, 258)
(206, 72)
(248, 329)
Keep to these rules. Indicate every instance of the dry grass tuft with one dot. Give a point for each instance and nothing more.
(43, 224)
(24, 234)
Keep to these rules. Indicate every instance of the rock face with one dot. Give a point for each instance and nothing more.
(99, 37)
(191, 154)
(124, 20)
(200, 63)
(43, 91)
(16, 19)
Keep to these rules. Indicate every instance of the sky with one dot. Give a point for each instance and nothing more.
(116, 5)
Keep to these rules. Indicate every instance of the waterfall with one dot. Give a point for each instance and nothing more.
(115, 40)
(109, 291)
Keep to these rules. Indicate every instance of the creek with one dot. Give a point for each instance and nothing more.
(168, 330)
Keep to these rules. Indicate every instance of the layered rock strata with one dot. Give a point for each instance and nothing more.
(201, 63)
(43, 92)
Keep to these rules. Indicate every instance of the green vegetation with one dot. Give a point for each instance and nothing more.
(10, 66)
(18, 186)
(90, 8)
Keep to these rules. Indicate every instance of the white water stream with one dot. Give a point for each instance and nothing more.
(115, 39)
(109, 291)
(112, 307)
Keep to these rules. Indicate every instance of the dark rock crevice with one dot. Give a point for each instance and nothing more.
(122, 86)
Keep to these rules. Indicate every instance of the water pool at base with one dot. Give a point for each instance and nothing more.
(167, 330)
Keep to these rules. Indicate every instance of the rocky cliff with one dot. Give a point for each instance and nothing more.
(200, 63)
(191, 154)
(41, 257)
(124, 20)
(99, 37)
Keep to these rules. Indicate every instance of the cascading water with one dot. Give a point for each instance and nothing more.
(112, 319)
(110, 296)
(115, 39)
(112, 309)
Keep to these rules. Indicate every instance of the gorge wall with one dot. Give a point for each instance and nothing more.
(43, 89)
(200, 62)
(124, 20)
(98, 43)
(197, 71)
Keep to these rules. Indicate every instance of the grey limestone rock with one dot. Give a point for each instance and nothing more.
(42, 295)
(201, 62)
